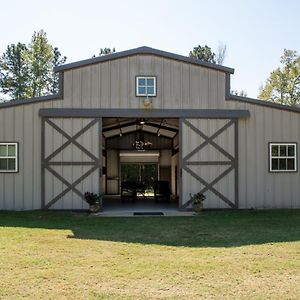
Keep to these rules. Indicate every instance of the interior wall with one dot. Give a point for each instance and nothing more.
(165, 165)
(112, 172)
(174, 178)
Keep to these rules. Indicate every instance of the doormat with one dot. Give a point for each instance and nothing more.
(148, 213)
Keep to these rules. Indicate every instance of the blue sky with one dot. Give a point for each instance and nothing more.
(255, 32)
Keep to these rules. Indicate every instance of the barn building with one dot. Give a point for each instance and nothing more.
(148, 117)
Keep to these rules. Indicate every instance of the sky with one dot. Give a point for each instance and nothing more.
(255, 32)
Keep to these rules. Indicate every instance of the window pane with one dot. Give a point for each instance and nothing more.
(142, 81)
(282, 164)
(275, 163)
(275, 150)
(142, 90)
(150, 90)
(283, 151)
(11, 150)
(11, 164)
(3, 164)
(3, 150)
(290, 164)
(291, 150)
(150, 82)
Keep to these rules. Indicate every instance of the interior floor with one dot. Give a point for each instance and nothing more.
(114, 203)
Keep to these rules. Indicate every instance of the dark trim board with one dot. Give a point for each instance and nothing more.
(144, 113)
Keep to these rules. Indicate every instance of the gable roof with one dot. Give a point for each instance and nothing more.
(143, 51)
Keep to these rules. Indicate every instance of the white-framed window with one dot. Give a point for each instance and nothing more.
(8, 157)
(146, 86)
(283, 157)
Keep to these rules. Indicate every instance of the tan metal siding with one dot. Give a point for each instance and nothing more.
(179, 85)
(112, 84)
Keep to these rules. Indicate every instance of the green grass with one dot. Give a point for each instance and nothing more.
(229, 255)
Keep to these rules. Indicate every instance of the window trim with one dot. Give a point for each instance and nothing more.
(16, 157)
(137, 85)
(295, 157)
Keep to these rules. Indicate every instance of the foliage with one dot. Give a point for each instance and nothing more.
(203, 53)
(39, 59)
(197, 198)
(221, 53)
(105, 51)
(283, 84)
(241, 93)
(57, 60)
(14, 71)
(92, 198)
(27, 71)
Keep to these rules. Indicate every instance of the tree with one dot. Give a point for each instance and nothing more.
(39, 58)
(221, 53)
(57, 60)
(283, 84)
(14, 72)
(203, 53)
(241, 93)
(105, 51)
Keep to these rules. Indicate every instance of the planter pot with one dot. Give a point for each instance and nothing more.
(94, 208)
(198, 207)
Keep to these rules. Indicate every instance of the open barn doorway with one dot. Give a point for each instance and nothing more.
(140, 163)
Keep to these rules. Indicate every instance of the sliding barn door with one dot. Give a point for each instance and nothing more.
(209, 161)
(71, 161)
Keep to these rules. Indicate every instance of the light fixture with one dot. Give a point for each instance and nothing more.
(142, 122)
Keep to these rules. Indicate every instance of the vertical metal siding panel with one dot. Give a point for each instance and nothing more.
(213, 90)
(76, 86)
(175, 99)
(158, 71)
(203, 87)
(122, 85)
(9, 192)
(261, 159)
(114, 85)
(105, 86)
(18, 178)
(242, 163)
(2, 186)
(68, 90)
(28, 145)
(194, 87)
(95, 86)
(166, 88)
(86, 86)
(185, 82)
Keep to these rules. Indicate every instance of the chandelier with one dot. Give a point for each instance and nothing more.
(140, 143)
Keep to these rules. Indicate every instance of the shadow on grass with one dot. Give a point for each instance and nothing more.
(210, 229)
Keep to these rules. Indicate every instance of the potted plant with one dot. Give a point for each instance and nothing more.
(95, 202)
(197, 201)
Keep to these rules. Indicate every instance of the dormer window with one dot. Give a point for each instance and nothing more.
(146, 86)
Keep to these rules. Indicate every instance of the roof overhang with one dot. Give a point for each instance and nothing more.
(143, 51)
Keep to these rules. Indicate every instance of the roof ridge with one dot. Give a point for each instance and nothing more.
(143, 50)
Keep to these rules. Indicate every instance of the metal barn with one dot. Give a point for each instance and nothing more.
(151, 116)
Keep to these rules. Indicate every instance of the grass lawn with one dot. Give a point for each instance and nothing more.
(223, 255)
